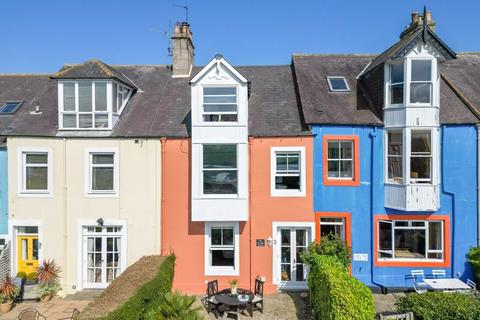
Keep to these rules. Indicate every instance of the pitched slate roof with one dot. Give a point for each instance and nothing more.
(92, 69)
(161, 106)
(321, 106)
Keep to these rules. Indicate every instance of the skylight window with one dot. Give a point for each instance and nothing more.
(338, 84)
(10, 107)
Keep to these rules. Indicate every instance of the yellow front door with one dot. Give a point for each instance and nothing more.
(27, 254)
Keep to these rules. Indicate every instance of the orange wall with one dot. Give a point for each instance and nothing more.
(186, 238)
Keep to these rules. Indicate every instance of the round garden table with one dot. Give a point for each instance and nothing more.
(231, 301)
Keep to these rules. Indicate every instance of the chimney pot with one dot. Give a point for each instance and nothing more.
(415, 17)
(428, 17)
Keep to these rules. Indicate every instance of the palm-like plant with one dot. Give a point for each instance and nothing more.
(8, 289)
(176, 306)
(48, 272)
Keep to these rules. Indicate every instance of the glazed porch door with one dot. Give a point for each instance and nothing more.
(27, 250)
(293, 242)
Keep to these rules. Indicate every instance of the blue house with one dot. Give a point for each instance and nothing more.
(395, 154)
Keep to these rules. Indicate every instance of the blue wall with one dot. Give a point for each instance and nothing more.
(3, 191)
(458, 197)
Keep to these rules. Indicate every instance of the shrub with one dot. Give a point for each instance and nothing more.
(46, 289)
(175, 306)
(333, 246)
(148, 296)
(334, 294)
(473, 257)
(8, 290)
(32, 276)
(440, 306)
(22, 275)
(48, 272)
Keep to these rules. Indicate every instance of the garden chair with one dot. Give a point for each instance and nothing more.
(74, 316)
(210, 302)
(472, 285)
(30, 314)
(418, 284)
(439, 274)
(257, 302)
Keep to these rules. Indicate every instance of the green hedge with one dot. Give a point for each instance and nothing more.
(148, 296)
(334, 294)
(440, 306)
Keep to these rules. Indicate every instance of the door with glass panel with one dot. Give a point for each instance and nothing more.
(102, 256)
(27, 251)
(292, 243)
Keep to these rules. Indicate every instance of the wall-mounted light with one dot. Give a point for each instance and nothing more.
(270, 241)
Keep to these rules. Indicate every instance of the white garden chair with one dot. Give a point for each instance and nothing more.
(437, 274)
(418, 284)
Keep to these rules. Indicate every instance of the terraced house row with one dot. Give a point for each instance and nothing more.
(237, 169)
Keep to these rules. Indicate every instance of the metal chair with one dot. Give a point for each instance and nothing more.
(210, 302)
(257, 302)
(418, 281)
(74, 316)
(437, 274)
(472, 284)
(30, 314)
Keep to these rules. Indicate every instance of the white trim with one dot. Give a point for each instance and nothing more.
(13, 224)
(222, 271)
(82, 223)
(329, 78)
(214, 61)
(21, 190)
(88, 173)
(276, 252)
(273, 161)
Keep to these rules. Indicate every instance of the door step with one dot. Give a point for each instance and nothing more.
(84, 295)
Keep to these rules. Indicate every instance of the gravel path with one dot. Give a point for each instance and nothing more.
(278, 306)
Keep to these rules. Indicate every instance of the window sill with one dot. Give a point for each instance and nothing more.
(35, 194)
(219, 271)
(218, 196)
(341, 182)
(287, 193)
(410, 263)
(93, 194)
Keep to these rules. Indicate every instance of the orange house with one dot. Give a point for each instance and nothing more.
(237, 189)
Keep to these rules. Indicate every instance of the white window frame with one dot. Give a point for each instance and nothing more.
(430, 156)
(202, 113)
(88, 172)
(340, 160)
(387, 156)
(329, 78)
(219, 195)
(411, 227)
(222, 271)
(433, 70)
(389, 83)
(273, 172)
(21, 172)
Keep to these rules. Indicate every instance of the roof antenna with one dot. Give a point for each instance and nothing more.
(167, 35)
(186, 10)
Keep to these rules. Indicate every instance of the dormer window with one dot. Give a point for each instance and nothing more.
(421, 81)
(88, 104)
(396, 83)
(220, 104)
(338, 84)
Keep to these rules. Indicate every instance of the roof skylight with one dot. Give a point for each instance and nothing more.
(338, 84)
(10, 107)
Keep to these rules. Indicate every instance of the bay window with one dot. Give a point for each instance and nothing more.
(410, 240)
(395, 156)
(89, 104)
(220, 169)
(421, 81)
(220, 104)
(421, 156)
(396, 83)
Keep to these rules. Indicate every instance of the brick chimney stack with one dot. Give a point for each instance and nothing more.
(183, 50)
(417, 21)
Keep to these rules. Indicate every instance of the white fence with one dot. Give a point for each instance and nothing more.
(5, 261)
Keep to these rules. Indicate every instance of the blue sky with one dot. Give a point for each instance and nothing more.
(39, 36)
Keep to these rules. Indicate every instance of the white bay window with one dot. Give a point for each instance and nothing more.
(220, 104)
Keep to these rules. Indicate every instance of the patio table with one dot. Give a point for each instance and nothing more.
(447, 284)
(231, 301)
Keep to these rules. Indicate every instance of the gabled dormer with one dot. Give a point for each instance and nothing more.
(405, 79)
(219, 143)
(91, 96)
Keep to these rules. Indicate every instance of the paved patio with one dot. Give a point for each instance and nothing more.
(56, 308)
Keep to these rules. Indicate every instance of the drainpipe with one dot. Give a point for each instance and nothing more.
(250, 220)
(162, 192)
(65, 213)
(452, 195)
(373, 168)
(477, 126)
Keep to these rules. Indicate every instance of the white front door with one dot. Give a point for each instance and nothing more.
(102, 255)
(291, 243)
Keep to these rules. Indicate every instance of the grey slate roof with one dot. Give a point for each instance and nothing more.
(161, 108)
(320, 106)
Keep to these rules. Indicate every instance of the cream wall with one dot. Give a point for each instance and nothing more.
(59, 215)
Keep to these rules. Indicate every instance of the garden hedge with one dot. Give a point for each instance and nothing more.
(440, 306)
(334, 294)
(149, 295)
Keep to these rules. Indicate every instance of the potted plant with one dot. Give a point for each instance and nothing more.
(48, 276)
(32, 278)
(8, 292)
(233, 286)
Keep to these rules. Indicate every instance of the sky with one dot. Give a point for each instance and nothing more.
(39, 36)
